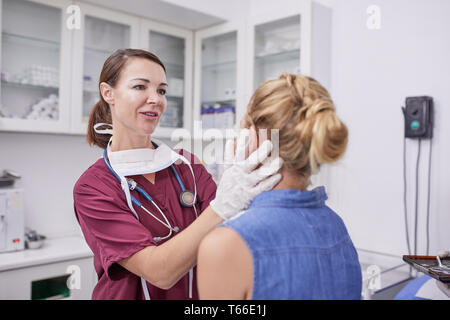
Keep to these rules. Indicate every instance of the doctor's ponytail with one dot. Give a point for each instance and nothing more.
(100, 114)
(112, 68)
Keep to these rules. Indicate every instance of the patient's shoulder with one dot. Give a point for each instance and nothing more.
(222, 242)
(223, 252)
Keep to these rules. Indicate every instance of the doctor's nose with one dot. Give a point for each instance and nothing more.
(154, 98)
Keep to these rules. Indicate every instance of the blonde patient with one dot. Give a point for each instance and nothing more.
(288, 244)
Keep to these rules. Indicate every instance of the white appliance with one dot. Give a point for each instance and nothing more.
(12, 220)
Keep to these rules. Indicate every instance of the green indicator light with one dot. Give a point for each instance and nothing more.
(415, 125)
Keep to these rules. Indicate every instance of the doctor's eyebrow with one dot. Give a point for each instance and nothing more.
(148, 81)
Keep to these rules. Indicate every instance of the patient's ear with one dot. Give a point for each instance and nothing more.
(243, 123)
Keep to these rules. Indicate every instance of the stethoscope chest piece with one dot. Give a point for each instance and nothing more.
(187, 199)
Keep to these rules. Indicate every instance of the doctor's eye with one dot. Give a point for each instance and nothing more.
(139, 87)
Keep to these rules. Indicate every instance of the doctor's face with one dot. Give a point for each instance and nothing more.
(139, 97)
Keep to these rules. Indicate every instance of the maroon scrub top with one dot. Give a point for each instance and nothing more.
(113, 233)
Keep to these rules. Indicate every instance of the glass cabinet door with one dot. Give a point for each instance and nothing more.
(101, 39)
(171, 50)
(277, 49)
(218, 81)
(30, 61)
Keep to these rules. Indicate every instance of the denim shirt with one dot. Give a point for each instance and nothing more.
(300, 247)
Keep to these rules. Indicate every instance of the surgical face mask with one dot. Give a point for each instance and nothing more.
(103, 131)
(138, 161)
(142, 161)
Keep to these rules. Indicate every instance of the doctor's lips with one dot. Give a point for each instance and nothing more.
(150, 114)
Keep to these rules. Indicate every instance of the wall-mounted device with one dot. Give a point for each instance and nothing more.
(418, 112)
(418, 115)
(12, 220)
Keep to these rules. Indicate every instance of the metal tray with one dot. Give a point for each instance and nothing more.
(429, 266)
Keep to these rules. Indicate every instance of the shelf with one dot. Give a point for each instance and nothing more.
(219, 100)
(220, 65)
(54, 250)
(170, 66)
(98, 50)
(27, 86)
(174, 97)
(279, 56)
(90, 91)
(6, 36)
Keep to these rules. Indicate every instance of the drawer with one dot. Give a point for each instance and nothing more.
(25, 283)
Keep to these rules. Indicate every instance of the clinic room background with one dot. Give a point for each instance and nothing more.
(369, 69)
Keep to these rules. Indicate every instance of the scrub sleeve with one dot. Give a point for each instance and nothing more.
(107, 223)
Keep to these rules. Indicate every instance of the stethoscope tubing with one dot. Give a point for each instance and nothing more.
(133, 186)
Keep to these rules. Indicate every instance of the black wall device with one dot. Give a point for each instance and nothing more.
(418, 112)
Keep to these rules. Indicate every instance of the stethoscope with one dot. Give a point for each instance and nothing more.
(187, 198)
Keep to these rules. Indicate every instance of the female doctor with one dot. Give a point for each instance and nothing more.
(144, 208)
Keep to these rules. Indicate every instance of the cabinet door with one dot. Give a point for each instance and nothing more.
(219, 77)
(279, 42)
(277, 49)
(102, 32)
(293, 39)
(173, 46)
(35, 281)
(35, 66)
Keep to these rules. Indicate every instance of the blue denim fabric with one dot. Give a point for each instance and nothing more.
(300, 247)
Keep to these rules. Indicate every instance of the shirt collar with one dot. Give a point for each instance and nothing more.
(290, 198)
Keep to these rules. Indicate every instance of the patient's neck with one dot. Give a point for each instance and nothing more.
(291, 181)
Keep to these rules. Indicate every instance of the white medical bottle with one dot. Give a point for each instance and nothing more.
(217, 116)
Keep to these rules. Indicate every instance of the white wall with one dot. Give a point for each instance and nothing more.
(50, 165)
(373, 72)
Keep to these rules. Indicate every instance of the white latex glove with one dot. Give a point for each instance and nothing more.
(444, 287)
(241, 181)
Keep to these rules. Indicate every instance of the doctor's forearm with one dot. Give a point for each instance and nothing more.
(179, 254)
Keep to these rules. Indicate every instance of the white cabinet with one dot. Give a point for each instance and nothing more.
(233, 59)
(292, 39)
(219, 75)
(50, 72)
(102, 32)
(50, 281)
(63, 268)
(35, 66)
(174, 47)
(276, 48)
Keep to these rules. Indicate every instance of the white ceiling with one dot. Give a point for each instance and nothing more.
(162, 11)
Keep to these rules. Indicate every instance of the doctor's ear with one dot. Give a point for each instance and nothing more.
(107, 93)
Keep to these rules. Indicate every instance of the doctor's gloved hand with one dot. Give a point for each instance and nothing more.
(444, 287)
(244, 178)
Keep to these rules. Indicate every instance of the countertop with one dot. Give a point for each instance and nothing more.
(53, 250)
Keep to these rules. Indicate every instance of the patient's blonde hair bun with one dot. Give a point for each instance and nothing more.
(310, 133)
